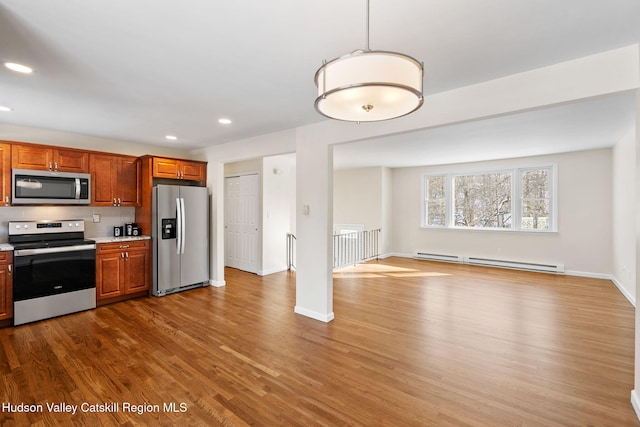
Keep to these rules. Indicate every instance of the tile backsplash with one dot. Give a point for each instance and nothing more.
(109, 217)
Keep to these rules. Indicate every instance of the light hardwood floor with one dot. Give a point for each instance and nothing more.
(414, 343)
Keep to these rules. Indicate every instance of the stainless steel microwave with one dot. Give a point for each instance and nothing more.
(34, 187)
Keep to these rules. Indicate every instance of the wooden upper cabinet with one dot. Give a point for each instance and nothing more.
(129, 181)
(165, 168)
(194, 171)
(41, 157)
(5, 174)
(115, 180)
(71, 160)
(179, 169)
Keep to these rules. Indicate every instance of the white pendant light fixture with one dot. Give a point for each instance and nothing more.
(369, 85)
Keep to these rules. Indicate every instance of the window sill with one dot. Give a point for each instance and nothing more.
(486, 229)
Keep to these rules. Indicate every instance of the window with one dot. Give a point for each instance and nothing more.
(535, 199)
(521, 199)
(483, 200)
(435, 200)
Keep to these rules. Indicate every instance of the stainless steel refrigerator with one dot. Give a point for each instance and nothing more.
(180, 238)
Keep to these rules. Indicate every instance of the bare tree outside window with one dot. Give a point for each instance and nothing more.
(483, 200)
(435, 201)
(535, 199)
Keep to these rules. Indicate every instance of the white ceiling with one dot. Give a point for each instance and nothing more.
(139, 70)
(588, 125)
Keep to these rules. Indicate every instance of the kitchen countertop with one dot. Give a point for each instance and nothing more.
(119, 239)
(8, 247)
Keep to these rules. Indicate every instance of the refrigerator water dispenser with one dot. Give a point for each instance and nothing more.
(168, 228)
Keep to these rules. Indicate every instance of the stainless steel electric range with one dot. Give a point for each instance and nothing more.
(54, 269)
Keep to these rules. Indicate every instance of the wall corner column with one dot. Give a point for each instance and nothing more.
(215, 173)
(314, 229)
(635, 393)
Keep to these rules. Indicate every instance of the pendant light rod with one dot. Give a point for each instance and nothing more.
(367, 45)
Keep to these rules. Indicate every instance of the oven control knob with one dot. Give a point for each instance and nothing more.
(17, 226)
(26, 226)
(77, 224)
(70, 224)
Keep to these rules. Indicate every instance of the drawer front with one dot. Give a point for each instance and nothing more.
(105, 248)
(6, 257)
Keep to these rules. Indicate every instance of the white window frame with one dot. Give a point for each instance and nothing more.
(447, 198)
(452, 201)
(516, 199)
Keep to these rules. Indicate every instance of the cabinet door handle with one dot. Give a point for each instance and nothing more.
(127, 255)
(6, 200)
(10, 269)
(124, 246)
(50, 166)
(119, 201)
(122, 255)
(114, 201)
(55, 166)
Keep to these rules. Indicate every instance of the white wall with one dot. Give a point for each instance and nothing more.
(624, 190)
(357, 197)
(583, 242)
(243, 167)
(363, 196)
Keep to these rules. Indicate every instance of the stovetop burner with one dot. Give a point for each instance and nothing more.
(52, 243)
(47, 234)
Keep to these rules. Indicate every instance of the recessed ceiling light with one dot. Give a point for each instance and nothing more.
(224, 121)
(19, 68)
(171, 137)
(3, 108)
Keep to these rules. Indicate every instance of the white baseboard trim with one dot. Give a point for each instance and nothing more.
(272, 270)
(217, 284)
(623, 291)
(400, 255)
(587, 274)
(635, 402)
(326, 318)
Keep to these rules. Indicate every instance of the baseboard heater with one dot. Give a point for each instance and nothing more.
(489, 262)
(530, 266)
(438, 257)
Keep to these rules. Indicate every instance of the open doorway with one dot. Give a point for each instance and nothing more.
(259, 206)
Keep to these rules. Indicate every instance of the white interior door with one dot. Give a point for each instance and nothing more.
(242, 221)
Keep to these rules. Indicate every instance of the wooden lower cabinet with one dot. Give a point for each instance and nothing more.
(6, 285)
(122, 269)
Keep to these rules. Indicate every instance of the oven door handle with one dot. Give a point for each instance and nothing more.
(39, 251)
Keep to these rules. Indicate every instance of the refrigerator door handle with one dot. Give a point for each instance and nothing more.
(179, 230)
(184, 226)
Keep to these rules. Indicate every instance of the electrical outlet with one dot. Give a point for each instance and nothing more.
(96, 217)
